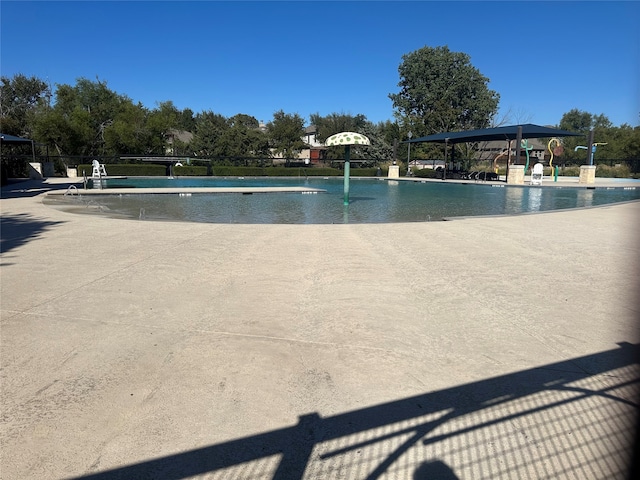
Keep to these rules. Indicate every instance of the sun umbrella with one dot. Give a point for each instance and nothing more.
(347, 139)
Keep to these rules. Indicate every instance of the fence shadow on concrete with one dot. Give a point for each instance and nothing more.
(571, 419)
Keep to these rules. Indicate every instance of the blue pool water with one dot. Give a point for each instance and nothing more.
(371, 200)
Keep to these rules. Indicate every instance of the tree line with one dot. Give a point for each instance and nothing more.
(439, 90)
(89, 119)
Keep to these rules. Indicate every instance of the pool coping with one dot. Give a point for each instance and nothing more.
(566, 182)
(186, 190)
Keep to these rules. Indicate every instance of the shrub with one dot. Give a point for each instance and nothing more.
(426, 173)
(619, 171)
(13, 167)
(602, 170)
(363, 172)
(569, 171)
(323, 172)
(229, 171)
(190, 170)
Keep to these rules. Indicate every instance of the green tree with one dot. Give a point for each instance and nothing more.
(242, 140)
(20, 99)
(186, 120)
(336, 123)
(576, 121)
(77, 122)
(579, 121)
(244, 121)
(65, 127)
(441, 91)
(128, 133)
(622, 143)
(631, 146)
(162, 119)
(382, 136)
(209, 128)
(390, 137)
(285, 133)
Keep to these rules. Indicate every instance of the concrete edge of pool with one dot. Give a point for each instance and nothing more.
(192, 190)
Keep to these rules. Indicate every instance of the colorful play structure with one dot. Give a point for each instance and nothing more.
(594, 146)
(524, 144)
(554, 146)
(504, 153)
(347, 139)
(557, 150)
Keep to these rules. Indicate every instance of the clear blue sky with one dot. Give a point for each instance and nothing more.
(543, 58)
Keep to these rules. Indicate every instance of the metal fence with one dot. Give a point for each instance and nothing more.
(16, 165)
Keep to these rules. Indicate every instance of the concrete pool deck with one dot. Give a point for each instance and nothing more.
(500, 347)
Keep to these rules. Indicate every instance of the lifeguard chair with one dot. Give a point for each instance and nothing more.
(537, 174)
(98, 169)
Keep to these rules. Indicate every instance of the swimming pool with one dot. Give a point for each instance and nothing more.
(372, 200)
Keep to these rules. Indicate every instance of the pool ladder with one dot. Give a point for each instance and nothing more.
(96, 180)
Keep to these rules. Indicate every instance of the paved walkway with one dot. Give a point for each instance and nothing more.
(478, 348)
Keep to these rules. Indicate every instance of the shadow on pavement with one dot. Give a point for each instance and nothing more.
(16, 230)
(20, 188)
(571, 419)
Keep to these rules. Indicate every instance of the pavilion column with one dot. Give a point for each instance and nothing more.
(518, 143)
(446, 148)
(506, 173)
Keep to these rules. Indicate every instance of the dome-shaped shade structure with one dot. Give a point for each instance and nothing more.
(347, 138)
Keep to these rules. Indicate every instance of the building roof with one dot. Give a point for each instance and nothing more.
(182, 135)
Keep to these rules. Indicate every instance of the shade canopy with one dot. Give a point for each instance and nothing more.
(347, 138)
(13, 140)
(510, 132)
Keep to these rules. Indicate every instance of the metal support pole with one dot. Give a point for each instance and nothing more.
(446, 147)
(453, 157)
(347, 155)
(590, 149)
(395, 150)
(518, 145)
(506, 173)
(409, 154)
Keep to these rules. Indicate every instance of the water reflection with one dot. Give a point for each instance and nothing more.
(585, 197)
(513, 202)
(535, 199)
